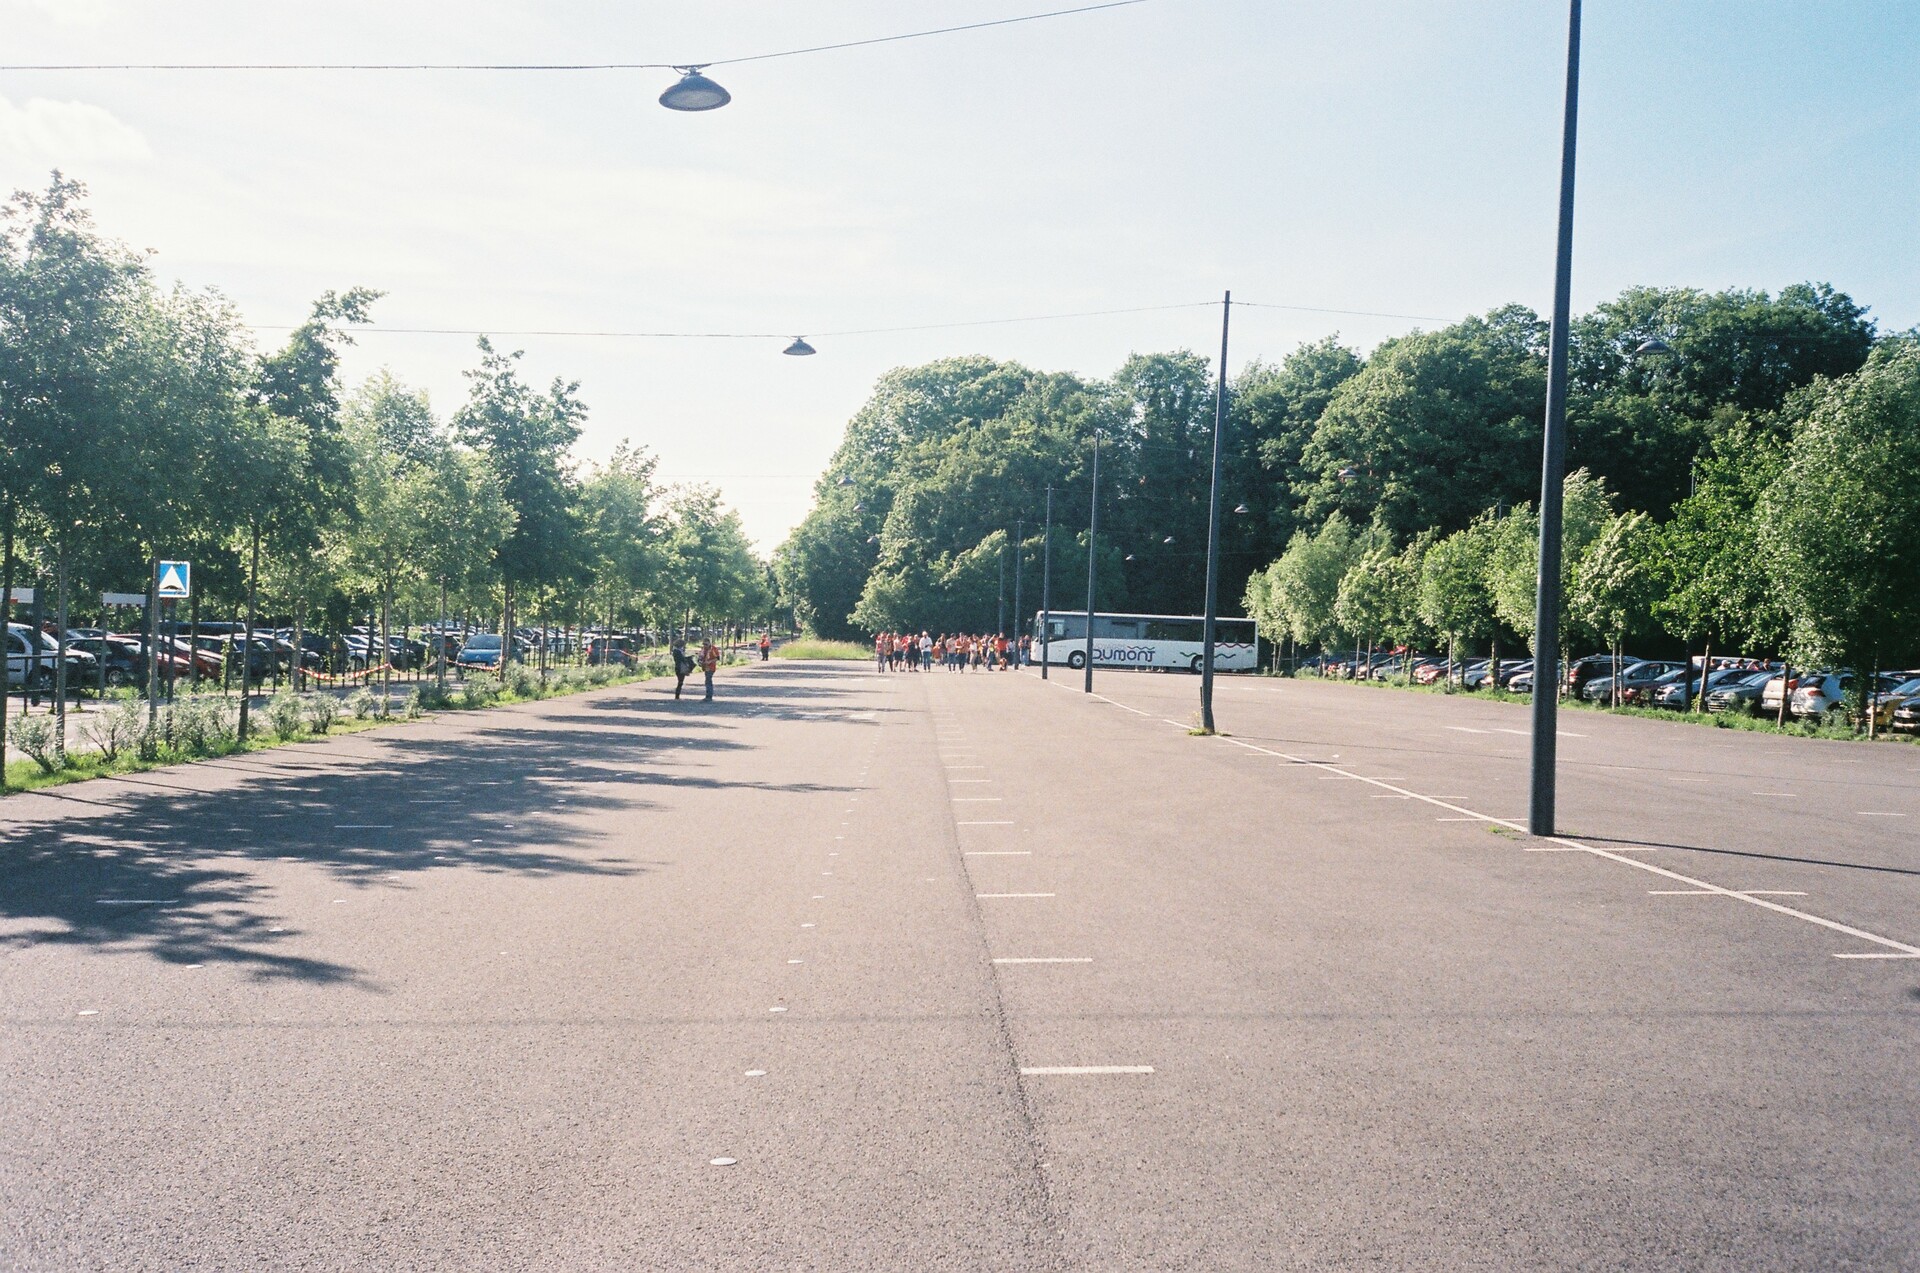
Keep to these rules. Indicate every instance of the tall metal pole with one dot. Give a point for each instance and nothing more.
(1553, 454)
(1000, 624)
(1093, 557)
(1213, 526)
(1046, 584)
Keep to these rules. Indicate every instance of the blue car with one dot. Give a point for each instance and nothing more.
(479, 653)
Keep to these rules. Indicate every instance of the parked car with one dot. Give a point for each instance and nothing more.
(1477, 675)
(1638, 676)
(1677, 691)
(1741, 694)
(125, 662)
(480, 653)
(1890, 699)
(24, 672)
(610, 649)
(1819, 693)
(1581, 671)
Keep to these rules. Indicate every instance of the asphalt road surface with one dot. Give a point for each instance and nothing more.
(850, 971)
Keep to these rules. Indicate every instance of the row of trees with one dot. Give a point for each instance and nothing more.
(938, 489)
(138, 422)
(1800, 536)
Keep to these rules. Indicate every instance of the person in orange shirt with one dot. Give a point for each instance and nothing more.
(709, 664)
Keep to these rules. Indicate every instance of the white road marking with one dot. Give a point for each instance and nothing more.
(1611, 855)
(1086, 1069)
(1385, 797)
(976, 799)
(778, 1008)
(88, 1012)
(1016, 895)
(1876, 954)
(1465, 729)
(756, 1074)
(794, 961)
(1708, 892)
(1865, 814)
(1074, 960)
(1773, 793)
(1463, 819)
(721, 1162)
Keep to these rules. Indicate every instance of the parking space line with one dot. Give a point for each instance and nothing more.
(1617, 855)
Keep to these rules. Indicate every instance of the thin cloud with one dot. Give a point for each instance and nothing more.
(67, 133)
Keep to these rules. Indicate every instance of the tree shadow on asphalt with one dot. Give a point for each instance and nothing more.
(165, 867)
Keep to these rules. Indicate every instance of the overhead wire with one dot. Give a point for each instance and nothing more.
(555, 66)
(614, 334)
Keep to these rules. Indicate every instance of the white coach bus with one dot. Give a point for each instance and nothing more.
(1162, 642)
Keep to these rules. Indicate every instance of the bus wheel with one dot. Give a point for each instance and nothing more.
(1077, 660)
(1194, 666)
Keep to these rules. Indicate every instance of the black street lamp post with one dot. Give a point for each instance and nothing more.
(1046, 584)
(1546, 610)
(1213, 528)
(1093, 558)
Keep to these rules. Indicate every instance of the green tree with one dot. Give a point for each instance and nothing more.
(1839, 524)
(1454, 598)
(527, 436)
(1615, 582)
(1433, 429)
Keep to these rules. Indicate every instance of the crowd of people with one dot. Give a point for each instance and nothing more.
(954, 652)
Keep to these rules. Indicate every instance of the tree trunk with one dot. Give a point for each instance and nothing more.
(1453, 663)
(246, 653)
(386, 644)
(60, 657)
(299, 677)
(6, 626)
(1786, 688)
(1705, 667)
(1493, 660)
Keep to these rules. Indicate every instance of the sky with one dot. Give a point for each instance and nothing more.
(1398, 157)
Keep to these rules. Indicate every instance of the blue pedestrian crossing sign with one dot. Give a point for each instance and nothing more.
(176, 580)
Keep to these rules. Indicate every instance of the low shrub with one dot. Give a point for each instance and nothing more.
(322, 710)
(284, 714)
(479, 689)
(117, 728)
(40, 738)
(360, 703)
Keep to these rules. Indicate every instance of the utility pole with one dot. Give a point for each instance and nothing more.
(1213, 527)
(1553, 459)
(1046, 584)
(1093, 559)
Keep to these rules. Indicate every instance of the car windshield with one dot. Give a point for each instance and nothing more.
(1907, 687)
(483, 642)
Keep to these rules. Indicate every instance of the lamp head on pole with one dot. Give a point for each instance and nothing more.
(1241, 509)
(799, 348)
(694, 92)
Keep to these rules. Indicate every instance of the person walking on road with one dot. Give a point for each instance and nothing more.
(709, 664)
(766, 646)
(682, 665)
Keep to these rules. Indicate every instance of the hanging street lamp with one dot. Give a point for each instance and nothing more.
(695, 92)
